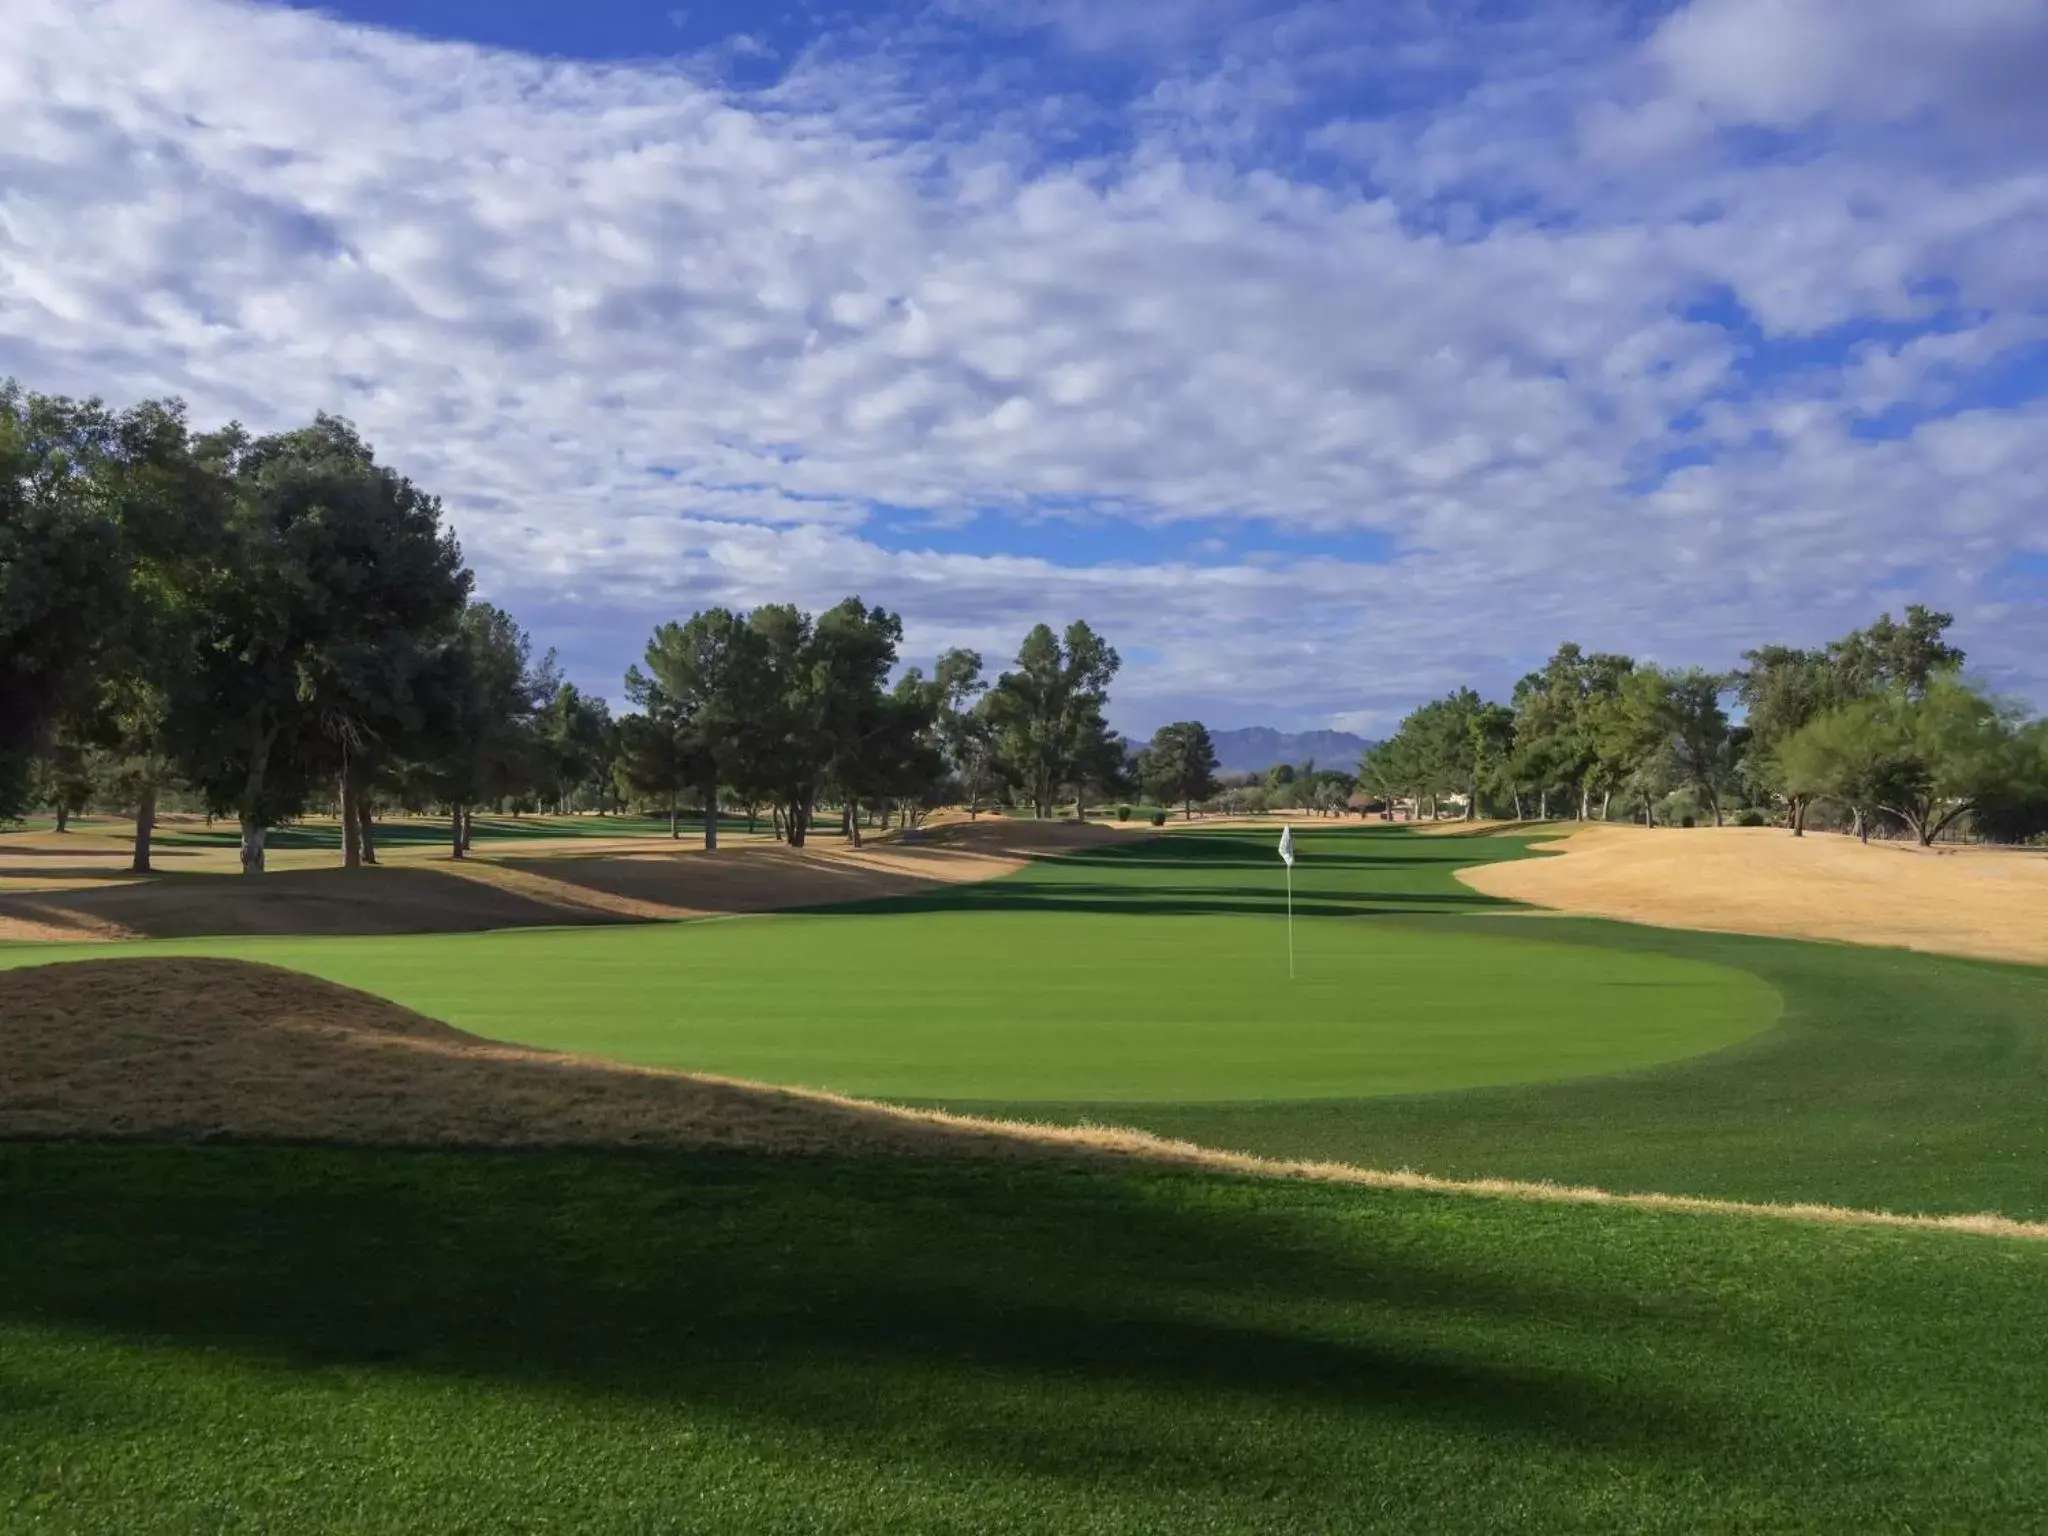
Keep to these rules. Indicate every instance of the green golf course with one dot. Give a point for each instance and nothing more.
(253, 1338)
(1145, 983)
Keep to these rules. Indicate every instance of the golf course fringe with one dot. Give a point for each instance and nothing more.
(190, 1049)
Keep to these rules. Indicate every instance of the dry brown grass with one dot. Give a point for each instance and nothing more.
(219, 1049)
(1982, 902)
(80, 891)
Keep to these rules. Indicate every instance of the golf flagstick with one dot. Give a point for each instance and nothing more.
(1287, 858)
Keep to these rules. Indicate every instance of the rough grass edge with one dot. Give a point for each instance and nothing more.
(1124, 1142)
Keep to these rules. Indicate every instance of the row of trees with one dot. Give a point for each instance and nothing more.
(267, 626)
(1880, 726)
(263, 626)
(246, 619)
(781, 708)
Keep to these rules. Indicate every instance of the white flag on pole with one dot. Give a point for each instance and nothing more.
(1287, 846)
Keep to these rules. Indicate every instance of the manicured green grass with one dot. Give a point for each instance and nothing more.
(1892, 1080)
(1146, 977)
(239, 1339)
(1144, 984)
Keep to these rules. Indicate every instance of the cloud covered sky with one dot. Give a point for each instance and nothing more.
(1325, 355)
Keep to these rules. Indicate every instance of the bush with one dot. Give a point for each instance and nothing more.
(1687, 821)
(1751, 818)
(1123, 813)
(1159, 818)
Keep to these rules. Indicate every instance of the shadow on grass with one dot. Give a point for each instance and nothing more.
(876, 1302)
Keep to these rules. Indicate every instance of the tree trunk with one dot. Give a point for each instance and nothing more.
(1606, 803)
(351, 819)
(252, 848)
(63, 816)
(145, 824)
(1585, 801)
(1797, 810)
(364, 828)
(852, 822)
(711, 818)
(1543, 805)
(252, 800)
(455, 833)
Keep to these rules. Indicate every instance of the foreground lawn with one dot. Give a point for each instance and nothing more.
(237, 1339)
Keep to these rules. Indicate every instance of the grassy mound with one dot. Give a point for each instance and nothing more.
(206, 1049)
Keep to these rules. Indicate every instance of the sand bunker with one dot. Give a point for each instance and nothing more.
(1988, 903)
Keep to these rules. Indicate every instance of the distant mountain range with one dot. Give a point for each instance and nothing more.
(1258, 747)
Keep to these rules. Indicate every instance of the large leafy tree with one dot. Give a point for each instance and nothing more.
(1784, 688)
(1565, 731)
(824, 717)
(706, 702)
(67, 534)
(572, 738)
(479, 747)
(339, 587)
(1926, 756)
(1890, 655)
(1180, 765)
(1049, 711)
(1675, 716)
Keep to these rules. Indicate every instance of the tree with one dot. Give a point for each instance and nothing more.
(652, 763)
(1888, 655)
(1676, 715)
(1926, 757)
(705, 689)
(1102, 767)
(966, 733)
(1180, 764)
(569, 735)
(65, 587)
(481, 746)
(1564, 716)
(823, 716)
(1049, 711)
(64, 780)
(338, 586)
(1782, 688)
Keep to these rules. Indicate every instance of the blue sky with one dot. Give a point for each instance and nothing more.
(1326, 355)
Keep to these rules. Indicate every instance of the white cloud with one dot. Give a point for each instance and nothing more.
(660, 343)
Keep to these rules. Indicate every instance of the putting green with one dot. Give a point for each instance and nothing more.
(1051, 1005)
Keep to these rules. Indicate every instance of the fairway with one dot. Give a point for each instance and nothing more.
(1143, 983)
(1151, 972)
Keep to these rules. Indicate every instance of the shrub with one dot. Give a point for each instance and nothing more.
(1751, 818)
(1687, 821)
(1123, 813)
(1159, 818)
